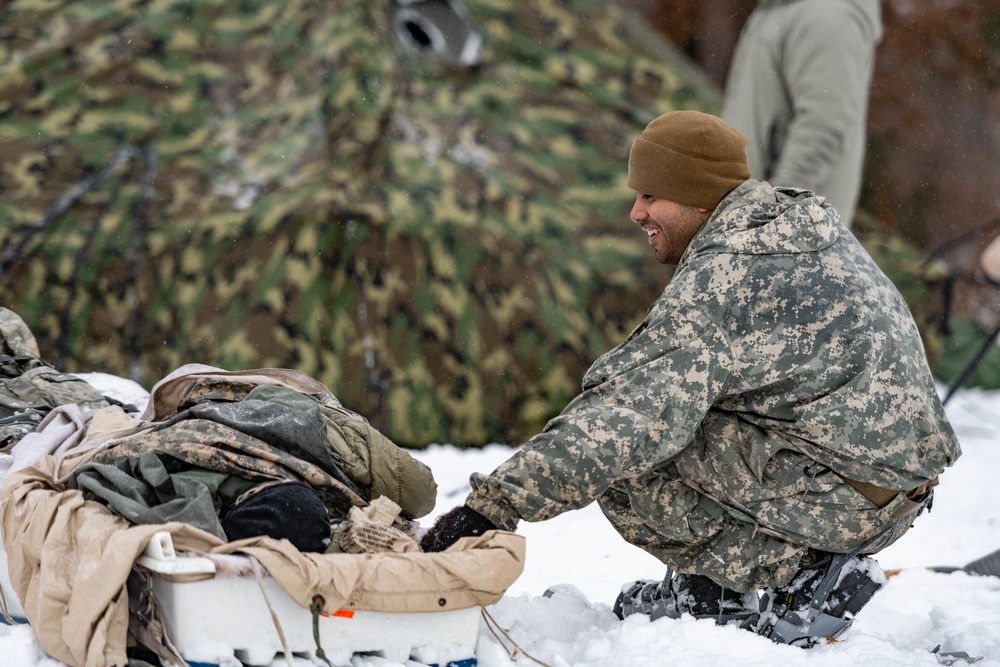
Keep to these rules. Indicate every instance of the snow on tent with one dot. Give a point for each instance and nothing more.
(419, 203)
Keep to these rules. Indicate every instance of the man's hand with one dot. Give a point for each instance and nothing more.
(457, 522)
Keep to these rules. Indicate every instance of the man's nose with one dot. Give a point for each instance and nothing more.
(638, 213)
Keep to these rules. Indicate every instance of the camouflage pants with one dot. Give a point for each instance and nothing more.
(710, 512)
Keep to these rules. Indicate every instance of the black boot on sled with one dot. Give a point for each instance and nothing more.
(821, 600)
(686, 594)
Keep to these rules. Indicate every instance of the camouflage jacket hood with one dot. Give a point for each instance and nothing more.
(776, 332)
(756, 219)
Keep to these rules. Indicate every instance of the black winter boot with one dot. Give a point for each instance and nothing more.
(679, 594)
(645, 596)
(821, 600)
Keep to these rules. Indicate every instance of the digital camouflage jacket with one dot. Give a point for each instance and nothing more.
(778, 334)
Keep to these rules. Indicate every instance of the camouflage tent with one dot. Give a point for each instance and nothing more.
(417, 202)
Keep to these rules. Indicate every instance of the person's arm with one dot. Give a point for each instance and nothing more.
(641, 405)
(827, 60)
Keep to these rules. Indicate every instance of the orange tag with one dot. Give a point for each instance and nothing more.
(343, 613)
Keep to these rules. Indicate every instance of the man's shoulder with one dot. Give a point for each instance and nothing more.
(830, 16)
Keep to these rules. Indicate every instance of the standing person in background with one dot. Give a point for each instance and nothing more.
(798, 89)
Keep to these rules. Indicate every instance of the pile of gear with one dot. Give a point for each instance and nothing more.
(237, 454)
(264, 464)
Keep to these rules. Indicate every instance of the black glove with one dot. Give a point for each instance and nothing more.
(457, 522)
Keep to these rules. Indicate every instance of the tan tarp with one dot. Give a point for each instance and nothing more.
(69, 560)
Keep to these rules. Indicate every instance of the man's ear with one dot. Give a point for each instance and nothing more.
(705, 212)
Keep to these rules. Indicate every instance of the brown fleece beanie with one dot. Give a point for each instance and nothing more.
(688, 157)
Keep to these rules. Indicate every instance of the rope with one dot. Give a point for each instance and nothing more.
(494, 627)
(316, 608)
(270, 607)
(146, 618)
(3, 609)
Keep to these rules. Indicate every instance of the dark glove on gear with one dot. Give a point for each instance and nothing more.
(457, 522)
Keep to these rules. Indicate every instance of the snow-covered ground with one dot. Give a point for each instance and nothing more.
(579, 552)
